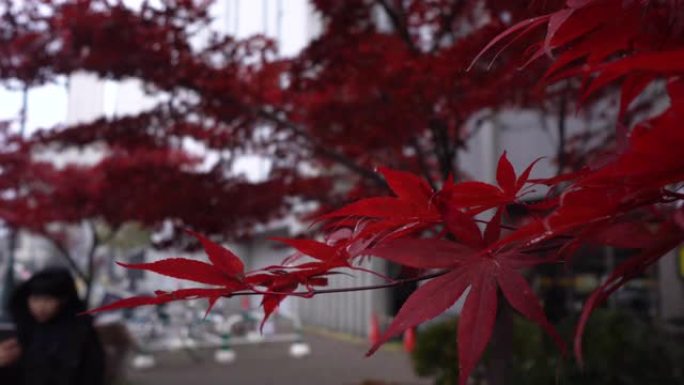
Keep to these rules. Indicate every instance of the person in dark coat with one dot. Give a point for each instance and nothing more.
(57, 345)
(9, 355)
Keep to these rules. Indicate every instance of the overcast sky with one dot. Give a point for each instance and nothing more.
(283, 19)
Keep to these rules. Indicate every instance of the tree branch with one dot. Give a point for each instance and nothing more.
(446, 23)
(422, 163)
(67, 256)
(445, 152)
(312, 293)
(398, 19)
(323, 150)
(562, 114)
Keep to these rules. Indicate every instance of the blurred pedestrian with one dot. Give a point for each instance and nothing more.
(54, 344)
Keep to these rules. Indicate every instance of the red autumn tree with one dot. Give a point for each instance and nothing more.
(414, 93)
(407, 108)
(42, 197)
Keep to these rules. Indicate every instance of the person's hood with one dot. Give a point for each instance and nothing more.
(56, 282)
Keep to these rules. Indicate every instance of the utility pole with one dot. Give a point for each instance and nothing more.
(8, 282)
(8, 279)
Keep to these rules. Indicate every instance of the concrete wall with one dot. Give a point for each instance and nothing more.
(671, 289)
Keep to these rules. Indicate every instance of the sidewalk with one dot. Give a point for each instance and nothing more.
(332, 362)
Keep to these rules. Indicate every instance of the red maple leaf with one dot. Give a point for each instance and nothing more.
(412, 209)
(226, 271)
(653, 247)
(475, 197)
(473, 267)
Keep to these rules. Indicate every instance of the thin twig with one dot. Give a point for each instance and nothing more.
(312, 293)
(373, 273)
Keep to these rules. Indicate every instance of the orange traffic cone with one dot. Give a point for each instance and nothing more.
(409, 339)
(245, 303)
(374, 330)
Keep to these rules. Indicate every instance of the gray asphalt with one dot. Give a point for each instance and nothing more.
(333, 361)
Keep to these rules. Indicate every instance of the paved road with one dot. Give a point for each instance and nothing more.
(333, 362)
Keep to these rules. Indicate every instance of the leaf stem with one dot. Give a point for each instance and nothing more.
(311, 293)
